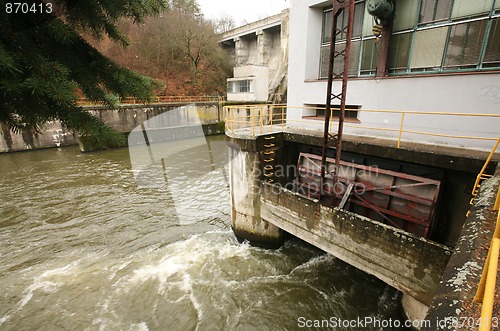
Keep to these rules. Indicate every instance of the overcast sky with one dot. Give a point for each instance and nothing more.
(243, 11)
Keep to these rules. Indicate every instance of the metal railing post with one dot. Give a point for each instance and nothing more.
(260, 119)
(489, 294)
(271, 119)
(253, 120)
(480, 175)
(283, 120)
(401, 128)
(232, 121)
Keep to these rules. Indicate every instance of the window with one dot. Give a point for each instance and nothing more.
(239, 86)
(369, 57)
(342, 19)
(435, 10)
(449, 35)
(406, 15)
(350, 115)
(428, 36)
(399, 52)
(244, 86)
(468, 8)
(492, 55)
(428, 49)
(464, 45)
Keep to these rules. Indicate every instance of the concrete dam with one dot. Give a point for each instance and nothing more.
(206, 111)
(402, 227)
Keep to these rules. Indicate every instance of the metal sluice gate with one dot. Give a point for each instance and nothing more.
(401, 200)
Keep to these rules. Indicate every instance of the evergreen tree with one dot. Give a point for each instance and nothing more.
(45, 62)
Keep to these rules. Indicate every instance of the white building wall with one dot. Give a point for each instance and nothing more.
(260, 51)
(462, 93)
(259, 77)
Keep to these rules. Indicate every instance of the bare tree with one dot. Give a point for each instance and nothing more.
(178, 47)
(224, 23)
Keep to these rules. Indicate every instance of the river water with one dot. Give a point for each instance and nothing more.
(84, 247)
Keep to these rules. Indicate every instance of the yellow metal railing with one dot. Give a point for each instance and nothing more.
(158, 99)
(274, 118)
(485, 293)
(481, 176)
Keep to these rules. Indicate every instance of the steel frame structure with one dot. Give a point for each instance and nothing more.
(339, 6)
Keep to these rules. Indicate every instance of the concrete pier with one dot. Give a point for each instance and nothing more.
(245, 178)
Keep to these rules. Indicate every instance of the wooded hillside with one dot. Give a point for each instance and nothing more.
(178, 47)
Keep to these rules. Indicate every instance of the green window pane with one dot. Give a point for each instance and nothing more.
(327, 26)
(369, 58)
(406, 15)
(428, 48)
(342, 20)
(465, 8)
(434, 10)
(354, 58)
(359, 12)
(323, 62)
(464, 46)
(492, 56)
(399, 52)
(338, 64)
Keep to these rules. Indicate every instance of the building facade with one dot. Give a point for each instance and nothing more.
(259, 53)
(441, 56)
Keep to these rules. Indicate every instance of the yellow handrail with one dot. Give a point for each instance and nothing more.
(485, 293)
(286, 111)
(158, 99)
(481, 175)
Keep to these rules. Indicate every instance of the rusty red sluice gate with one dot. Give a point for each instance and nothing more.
(405, 201)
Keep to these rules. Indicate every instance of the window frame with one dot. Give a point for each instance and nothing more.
(365, 52)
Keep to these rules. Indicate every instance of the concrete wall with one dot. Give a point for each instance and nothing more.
(53, 134)
(410, 264)
(124, 119)
(462, 93)
(455, 295)
(258, 77)
(259, 44)
(244, 185)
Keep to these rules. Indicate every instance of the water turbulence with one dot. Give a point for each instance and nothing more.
(83, 247)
